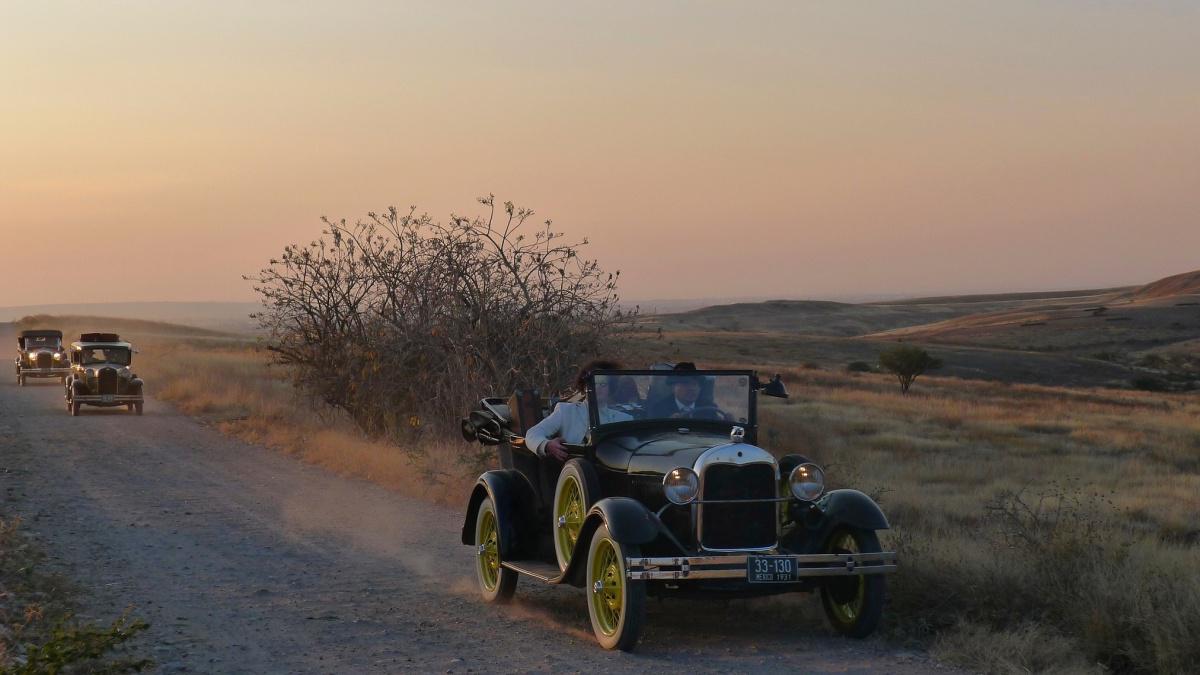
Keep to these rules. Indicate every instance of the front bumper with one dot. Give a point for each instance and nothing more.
(735, 566)
(33, 371)
(107, 399)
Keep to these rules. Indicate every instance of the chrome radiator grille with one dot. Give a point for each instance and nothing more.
(738, 526)
(44, 360)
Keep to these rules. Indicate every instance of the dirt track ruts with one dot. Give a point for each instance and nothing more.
(246, 560)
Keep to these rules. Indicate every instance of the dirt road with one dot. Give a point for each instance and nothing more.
(244, 560)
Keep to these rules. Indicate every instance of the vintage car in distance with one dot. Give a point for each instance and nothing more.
(40, 354)
(101, 374)
(666, 498)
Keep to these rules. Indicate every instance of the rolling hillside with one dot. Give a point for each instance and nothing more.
(1102, 337)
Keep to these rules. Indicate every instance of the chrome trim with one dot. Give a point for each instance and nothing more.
(99, 398)
(27, 370)
(734, 566)
(738, 454)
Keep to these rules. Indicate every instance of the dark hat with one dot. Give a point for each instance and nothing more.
(682, 367)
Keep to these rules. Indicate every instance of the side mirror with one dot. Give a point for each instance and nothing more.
(775, 388)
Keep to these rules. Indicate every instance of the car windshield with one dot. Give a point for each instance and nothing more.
(115, 355)
(41, 342)
(673, 395)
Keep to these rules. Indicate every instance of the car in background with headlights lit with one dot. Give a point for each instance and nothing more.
(40, 354)
(102, 374)
(672, 497)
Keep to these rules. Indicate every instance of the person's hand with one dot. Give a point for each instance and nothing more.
(557, 449)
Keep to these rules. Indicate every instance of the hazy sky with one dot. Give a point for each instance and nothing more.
(159, 150)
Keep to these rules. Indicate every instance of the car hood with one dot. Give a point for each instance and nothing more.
(657, 452)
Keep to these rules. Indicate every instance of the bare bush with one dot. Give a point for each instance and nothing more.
(402, 321)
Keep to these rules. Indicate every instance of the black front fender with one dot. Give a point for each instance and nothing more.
(516, 516)
(628, 521)
(853, 508)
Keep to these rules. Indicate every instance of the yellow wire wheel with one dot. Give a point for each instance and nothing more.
(616, 605)
(853, 604)
(574, 495)
(496, 582)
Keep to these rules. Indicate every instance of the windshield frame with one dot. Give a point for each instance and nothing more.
(107, 349)
(55, 343)
(751, 424)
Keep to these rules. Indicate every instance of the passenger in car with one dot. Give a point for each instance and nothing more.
(569, 421)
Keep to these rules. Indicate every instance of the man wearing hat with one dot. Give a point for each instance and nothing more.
(685, 387)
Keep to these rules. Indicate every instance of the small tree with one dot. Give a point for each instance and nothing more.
(907, 363)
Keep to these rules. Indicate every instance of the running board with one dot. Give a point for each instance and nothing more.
(543, 571)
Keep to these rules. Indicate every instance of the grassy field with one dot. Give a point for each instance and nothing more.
(1041, 528)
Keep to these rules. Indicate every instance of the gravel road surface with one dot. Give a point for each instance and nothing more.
(244, 560)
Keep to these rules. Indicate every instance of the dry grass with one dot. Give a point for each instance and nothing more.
(1106, 573)
(1105, 576)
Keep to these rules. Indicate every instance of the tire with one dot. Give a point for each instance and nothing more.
(616, 605)
(577, 489)
(20, 380)
(74, 407)
(137, 408)
(496, 582)
(854, 604)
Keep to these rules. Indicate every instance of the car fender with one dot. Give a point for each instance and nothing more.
(136, 384)
(853, 508)
(79, 387)
(515, 511)
(629, 522)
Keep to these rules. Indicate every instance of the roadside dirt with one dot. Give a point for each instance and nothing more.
(247, 561)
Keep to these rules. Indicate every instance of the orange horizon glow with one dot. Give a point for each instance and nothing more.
(705, 149)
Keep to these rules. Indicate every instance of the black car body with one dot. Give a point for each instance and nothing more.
(40, 354)
(101, 374)
(682, 499)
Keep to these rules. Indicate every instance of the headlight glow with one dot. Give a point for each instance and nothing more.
(807, 482)
(681, 485)
(57, 356)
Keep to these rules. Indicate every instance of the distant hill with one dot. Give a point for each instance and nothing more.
(1187, 283)
(1097, 337)
(223, 316)
(72, 325)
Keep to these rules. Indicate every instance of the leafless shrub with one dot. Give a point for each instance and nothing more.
(402, 321)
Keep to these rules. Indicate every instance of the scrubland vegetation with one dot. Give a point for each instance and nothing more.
(1039, 528)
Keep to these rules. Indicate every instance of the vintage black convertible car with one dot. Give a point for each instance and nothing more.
(669, 495)
(40, 354)
(101, 374)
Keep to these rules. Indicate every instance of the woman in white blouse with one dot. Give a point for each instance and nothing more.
(569, 421)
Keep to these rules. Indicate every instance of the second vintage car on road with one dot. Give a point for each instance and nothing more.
(40, 354)
(101, 374)
(672, 496)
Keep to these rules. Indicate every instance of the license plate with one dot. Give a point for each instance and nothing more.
(770, 569)
(107, 398)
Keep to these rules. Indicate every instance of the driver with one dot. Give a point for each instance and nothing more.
(569, 422)
(685, 387)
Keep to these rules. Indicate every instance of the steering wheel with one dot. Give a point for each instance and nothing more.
(707, 412)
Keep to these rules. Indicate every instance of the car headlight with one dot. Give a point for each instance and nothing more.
(91, 372)
(807, 482)
(57, 356)
(124, 372)
(681, 485)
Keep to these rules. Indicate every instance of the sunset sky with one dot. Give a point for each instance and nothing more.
(160, 150)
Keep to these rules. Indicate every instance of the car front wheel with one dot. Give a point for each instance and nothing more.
(854, 604)
(496, 582)
(575, 493)
(616, 605)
